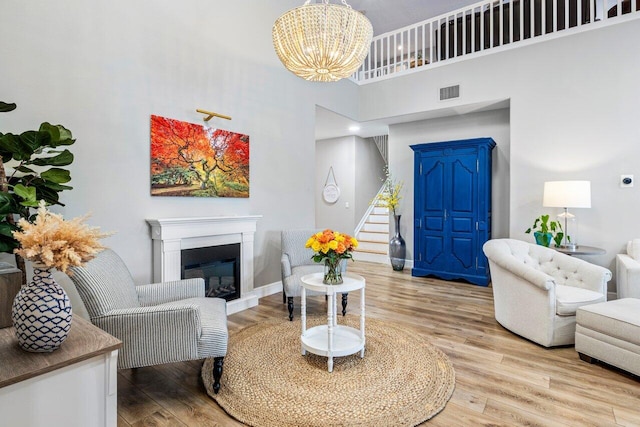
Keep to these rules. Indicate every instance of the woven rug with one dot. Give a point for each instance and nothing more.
(402, 380)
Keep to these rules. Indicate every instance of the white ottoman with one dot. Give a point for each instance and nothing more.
(610, 332)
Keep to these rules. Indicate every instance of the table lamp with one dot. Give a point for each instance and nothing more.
(567, 194)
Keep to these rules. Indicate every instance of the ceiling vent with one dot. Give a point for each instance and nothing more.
(449, 92)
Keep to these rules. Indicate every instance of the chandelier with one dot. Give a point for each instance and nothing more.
(322, 42)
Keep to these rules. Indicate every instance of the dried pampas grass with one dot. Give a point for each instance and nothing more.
(53, 242)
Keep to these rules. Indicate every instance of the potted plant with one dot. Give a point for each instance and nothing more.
(31, 169)
(545, 231)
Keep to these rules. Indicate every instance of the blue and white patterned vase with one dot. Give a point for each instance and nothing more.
(41, 313)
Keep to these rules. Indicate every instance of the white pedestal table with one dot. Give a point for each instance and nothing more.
(332, 340)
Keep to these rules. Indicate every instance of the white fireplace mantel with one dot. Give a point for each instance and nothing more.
(171, 235)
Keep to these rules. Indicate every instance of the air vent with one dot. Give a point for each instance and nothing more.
(449, 92)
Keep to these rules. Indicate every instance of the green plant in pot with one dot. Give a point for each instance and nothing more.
(545, 231)
(31, 169)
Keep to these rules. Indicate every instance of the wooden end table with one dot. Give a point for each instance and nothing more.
(332, 340)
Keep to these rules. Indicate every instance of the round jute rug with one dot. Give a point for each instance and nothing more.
(402, 380)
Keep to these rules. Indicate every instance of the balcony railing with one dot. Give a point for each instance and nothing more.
(479, 28)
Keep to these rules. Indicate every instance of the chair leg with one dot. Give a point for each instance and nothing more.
(344, 303)
(290, 307)
(217, 373)
(284, 297)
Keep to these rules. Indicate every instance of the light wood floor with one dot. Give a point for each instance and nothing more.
(501, 379)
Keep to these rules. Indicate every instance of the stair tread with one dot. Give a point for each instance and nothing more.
(373, 241)
(370, 251)
(374, 232)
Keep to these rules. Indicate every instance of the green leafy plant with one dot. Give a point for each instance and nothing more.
(390, 197)
(548, 230)
(31, 169)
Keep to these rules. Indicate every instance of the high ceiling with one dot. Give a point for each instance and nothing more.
(388, 15)
(385, 16)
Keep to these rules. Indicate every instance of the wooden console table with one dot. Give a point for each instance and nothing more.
(75, 385)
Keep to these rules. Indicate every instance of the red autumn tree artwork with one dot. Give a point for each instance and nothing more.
(193, 160)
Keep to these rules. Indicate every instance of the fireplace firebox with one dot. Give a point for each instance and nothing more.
(219, 266)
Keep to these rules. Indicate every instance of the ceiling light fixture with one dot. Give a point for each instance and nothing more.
(321, 41)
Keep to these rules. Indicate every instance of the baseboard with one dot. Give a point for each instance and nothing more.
(240, 304)
(270, 289)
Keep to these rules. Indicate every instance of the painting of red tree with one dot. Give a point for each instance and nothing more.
(196, 161)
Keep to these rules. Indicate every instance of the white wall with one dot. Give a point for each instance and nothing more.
(494, 124)
(103, 68)
(574, 105)
(358, 168)
(339, 154)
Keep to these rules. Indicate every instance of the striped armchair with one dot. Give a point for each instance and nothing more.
(296, 262)
(157, 323)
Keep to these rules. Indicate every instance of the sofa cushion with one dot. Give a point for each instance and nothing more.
(633, 249)
(569, 298)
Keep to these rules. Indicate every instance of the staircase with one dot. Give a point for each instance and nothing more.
(373, 238)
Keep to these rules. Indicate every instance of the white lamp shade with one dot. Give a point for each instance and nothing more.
(567, 194)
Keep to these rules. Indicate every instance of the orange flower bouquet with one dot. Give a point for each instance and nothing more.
(332, 247)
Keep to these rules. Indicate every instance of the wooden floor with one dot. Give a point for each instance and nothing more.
(501, 379)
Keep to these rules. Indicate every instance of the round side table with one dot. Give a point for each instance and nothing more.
(581, 250)
(332, 340)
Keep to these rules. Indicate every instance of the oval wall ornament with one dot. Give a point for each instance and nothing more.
(331, 193)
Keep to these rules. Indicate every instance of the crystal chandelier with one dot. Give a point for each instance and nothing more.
(322, 42)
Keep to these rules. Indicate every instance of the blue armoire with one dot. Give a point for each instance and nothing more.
(452, 209)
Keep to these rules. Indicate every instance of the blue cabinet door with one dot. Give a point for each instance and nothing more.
(452, 209)
(462, 214)
(432, 247)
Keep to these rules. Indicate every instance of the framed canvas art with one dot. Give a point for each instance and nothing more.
(192, 160)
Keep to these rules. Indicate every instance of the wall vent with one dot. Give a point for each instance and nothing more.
(449, 92)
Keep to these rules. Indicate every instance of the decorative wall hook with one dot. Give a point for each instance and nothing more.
(211, 114)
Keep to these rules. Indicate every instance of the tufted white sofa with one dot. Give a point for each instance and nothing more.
(628, 271)
(537, 290)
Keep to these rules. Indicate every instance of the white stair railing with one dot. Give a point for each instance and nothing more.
(482, 27)
(370, 209)
(382, 142)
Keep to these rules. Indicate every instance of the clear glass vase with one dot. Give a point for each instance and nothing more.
(332, 271)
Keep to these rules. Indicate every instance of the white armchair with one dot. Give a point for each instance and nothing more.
(628, 271)
(537, 290)
(157, 323)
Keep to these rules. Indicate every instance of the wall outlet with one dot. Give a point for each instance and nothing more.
(626, 181)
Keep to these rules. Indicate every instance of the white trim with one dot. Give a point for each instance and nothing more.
(171, 235)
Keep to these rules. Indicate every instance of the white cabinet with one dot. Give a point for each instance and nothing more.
(75, 385)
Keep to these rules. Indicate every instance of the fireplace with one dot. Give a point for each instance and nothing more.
(219, 266)
(173, 236)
